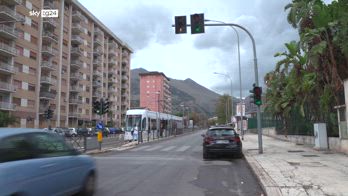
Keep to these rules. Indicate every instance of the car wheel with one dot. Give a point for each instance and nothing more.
(206, 155)
(239, 155)
(88, 186)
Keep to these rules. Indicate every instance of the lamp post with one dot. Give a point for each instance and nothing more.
(240, 75)
(229, 77)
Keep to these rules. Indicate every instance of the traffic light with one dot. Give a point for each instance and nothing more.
(180, 24)
(257, 95)
(96, 107)
(106, 106)
(197, 23)
(49, 113)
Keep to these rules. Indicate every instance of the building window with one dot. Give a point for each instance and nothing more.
(65, 56)
(17, 84)
(19, 67)
(65, 42)
(31, 87)
(20, 34)
(62, 109)
(16, 101)
(33, 55)
(87, 100)
(31, 103)
(34, 25)
(33, 39)
(19, 50)
(87, 111)
(32, 70)
(87, 89)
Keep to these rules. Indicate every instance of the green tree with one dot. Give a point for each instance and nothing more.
(223, 107)
(6, 119)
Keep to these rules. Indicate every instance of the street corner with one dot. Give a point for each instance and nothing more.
(269, 186)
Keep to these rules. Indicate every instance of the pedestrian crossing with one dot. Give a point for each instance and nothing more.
(161, 148)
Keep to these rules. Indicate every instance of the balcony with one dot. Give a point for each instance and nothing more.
(74, 114)
(124, 62)
(112, 45)
(97, 31)
(8, 32)
(112, 90)
(47, 65)
(76, 28)
(113, 52)
(48, 37)
(97, 84)
(7, 14)
(7, 87)
(98, 51)
(76, 64)
(7, 50)
(125, 54)
(125, 86)
(97, 73)
(7, 106)
(49, 23)
(96, 94)
(47, 95)
(74, 101)
(97, 62)
(76, 39)
(112, 62)
(75, 76)
(7, 68)
(47, 80)
(48, 5)
(98, 41)
(75, 88)
(77, 52)
(77, 16)
(47, 50)
(12, 2)
(112, 81)
(124, 78)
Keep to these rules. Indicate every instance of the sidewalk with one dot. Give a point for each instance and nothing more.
(285, 168)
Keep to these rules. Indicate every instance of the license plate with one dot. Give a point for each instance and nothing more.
(222, 141)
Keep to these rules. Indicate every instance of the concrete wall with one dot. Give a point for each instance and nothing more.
(335, 144)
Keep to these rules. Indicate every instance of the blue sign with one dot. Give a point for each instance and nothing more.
(100, 125)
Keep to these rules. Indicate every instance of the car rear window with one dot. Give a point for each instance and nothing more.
(221, 132)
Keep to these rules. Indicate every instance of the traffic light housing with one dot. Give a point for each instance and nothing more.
(49, 113)
(197, 23)
(257, 95)
(106, 106)
(96, 107)
(180, 24)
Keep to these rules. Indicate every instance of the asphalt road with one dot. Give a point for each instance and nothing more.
(173, 167)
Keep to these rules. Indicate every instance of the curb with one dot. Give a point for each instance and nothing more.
(267, 183)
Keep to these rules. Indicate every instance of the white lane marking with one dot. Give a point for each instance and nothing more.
(140, 148)
(182, 149)
(197, 149)
(168, 148)
(153, 148)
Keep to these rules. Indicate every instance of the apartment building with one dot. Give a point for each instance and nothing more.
(155, 92)
(62, 63)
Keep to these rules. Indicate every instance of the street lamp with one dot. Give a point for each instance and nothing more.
(240, 73)
(229, 77)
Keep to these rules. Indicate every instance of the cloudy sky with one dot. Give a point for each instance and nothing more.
(146, 26)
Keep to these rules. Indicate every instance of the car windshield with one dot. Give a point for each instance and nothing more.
(221, 132)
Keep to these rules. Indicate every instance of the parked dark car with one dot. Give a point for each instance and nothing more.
(115, 130)
(35, 162)
(221, 141)
(82, 131)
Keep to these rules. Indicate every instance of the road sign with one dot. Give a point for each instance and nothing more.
(100, 125)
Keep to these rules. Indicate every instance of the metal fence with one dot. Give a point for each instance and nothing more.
(85, 143)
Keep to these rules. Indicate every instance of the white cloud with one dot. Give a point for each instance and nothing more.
(146, 27)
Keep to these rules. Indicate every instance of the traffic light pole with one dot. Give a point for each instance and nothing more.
(259, 130)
